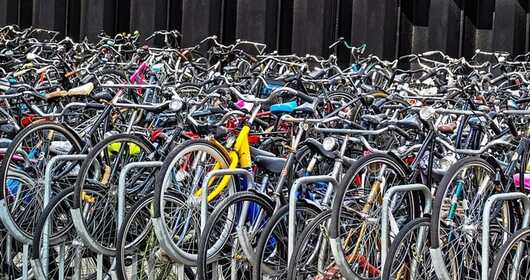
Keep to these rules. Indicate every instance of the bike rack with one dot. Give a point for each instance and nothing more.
(8, 221)
(292, 206)
(13, 232)
(121, 193)
(217, 173)
(204, 207)
(387, 200)
(490, 203)
(159, 226)
(40, 270)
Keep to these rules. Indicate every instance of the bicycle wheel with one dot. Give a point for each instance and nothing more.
(22, 173)
(272, 246)
(513, 259)
(182, 172)
(66, 256)
(456, 225)
(409, 257)
(312, 254)
(220, 241)
(101, 170)
(10, 256)
(356, 213)
(139, 254)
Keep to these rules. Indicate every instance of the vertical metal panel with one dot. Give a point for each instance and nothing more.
(4, 8)
(174, 15)
(73, 14)
(388, 27)
(148, 16)
(198, 20)
(25, 11)
(228, 21)
(251, 20)
(50, 14)
(509, 26)
(526, 7)
(420, 25)
(374, 23)
(405, 27)
(344, 29)
(272, 21)
(97, 16)
(478, 26)
(444, 26)
(123, 13)
(313, 28)
(285, 26)
(8, 12)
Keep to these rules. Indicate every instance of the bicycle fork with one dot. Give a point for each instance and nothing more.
(375, 192)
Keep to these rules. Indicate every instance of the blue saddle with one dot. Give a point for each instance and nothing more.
(283, 108)
(270, 87)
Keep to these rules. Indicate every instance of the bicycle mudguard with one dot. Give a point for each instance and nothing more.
(220, 147)
(400, 161)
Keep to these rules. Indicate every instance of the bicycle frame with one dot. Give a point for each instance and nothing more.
(239, 157)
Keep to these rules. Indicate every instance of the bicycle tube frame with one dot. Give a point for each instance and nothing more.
(239, 156)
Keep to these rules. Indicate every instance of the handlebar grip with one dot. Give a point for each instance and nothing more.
(429, 53)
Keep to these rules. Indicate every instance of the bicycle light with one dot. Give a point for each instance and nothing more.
(175, 104)
(427, 113)
(31, 56)
(329, 143)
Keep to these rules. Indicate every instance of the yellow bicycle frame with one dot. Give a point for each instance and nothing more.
(239, 156)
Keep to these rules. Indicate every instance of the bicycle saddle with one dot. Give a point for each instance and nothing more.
(4, 143)
(448, 128)
(374, 119)
(103, 95)
(272, 164)
(283, 108)
(317, 147)
(259, 152)
(409, 123)
(83, 90)
(317, 74)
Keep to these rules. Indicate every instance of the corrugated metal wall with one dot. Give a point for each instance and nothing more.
(389, 27)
